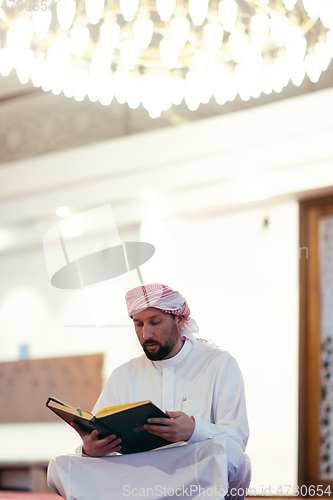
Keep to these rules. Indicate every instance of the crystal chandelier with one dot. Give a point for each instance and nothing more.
(161, 52)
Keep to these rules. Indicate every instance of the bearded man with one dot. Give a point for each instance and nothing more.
(201, 389)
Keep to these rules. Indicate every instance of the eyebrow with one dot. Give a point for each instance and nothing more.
(149, 317)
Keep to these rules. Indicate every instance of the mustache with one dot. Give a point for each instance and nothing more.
(146, 342)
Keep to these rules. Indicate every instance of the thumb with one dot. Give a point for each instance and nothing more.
(174, 414)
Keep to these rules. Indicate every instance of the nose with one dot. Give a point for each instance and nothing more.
(147, 332)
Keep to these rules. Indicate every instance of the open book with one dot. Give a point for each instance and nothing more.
(125, 421)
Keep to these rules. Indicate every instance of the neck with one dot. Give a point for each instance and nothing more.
(177, 347)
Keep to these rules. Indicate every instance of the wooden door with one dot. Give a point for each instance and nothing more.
(316, 349)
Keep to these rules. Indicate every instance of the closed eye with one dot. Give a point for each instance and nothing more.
(152, 323)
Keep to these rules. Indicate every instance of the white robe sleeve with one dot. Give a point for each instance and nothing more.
(229, 417)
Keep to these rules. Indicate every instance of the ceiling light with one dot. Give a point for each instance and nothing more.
(63, 211)
(259, 46)
(148, 194)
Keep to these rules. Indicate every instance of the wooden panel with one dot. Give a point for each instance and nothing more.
(25, 386)
(313, 351)
(310, 342)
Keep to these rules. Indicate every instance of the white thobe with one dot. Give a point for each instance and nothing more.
(201, 380)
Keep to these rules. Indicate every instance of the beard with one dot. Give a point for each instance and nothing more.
(164, 349)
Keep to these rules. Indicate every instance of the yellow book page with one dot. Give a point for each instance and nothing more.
(115, 409)
(60, 405)
(80, 410)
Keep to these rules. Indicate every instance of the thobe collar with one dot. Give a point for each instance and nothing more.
(171, 362)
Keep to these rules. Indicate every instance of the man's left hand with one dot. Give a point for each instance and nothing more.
(179, 427)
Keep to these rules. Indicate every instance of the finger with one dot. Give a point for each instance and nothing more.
(94, 436)
(111, 447)
(107, 439)
(157, 429)
(166, 435)
(163, 421)
(114, 442)
(174, 414)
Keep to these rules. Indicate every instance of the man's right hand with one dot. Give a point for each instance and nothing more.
(95, 447)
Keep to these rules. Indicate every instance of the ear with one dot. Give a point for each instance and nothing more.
(180, 321)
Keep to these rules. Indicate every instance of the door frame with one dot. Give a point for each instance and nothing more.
(309, 342)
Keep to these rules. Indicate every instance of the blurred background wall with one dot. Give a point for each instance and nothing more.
(219, 200)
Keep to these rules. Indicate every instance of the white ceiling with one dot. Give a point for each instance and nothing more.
(201, 169)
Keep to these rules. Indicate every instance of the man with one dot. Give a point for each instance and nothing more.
(200, 388)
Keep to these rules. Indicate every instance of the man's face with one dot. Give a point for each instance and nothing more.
(157, 333)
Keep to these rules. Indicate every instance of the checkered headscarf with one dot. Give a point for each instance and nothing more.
(161, 297)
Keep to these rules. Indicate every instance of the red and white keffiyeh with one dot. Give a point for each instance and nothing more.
(164, 298)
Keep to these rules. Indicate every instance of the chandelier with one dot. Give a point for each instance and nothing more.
(160, 52)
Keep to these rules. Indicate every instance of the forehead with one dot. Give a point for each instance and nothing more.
(150, 312)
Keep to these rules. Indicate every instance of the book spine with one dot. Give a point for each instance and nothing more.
(101, 428)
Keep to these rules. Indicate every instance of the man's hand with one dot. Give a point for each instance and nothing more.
(179, 427)
(95, 447)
